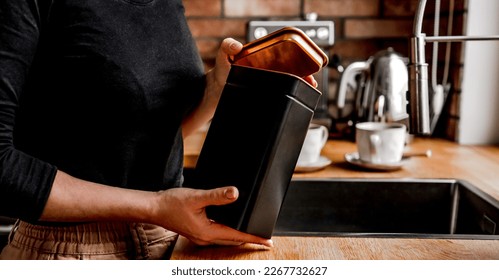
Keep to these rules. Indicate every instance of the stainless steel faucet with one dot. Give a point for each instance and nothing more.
(419, 108)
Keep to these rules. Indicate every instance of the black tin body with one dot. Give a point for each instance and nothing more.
(253, 143)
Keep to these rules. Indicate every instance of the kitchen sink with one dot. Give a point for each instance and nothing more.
(401, 208)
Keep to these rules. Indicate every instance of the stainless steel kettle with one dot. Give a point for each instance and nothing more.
(379, 85)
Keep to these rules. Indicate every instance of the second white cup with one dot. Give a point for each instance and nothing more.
(380, 143)
(315, 140)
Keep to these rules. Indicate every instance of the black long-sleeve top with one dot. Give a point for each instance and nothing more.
(94, 88)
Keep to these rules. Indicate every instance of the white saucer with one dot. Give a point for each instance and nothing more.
(314, 166)
(354, 159)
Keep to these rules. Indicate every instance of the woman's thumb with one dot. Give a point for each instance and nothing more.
(230, 46)
(222, 196)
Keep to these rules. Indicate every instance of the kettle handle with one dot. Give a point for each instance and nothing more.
(348, 77)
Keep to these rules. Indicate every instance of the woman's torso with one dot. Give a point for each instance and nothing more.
(108, 88)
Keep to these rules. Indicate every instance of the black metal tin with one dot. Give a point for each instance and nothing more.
(253, 143)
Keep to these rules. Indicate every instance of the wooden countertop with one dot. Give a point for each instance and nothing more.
(478, 165)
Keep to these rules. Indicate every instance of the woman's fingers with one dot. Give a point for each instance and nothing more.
(208, 231)
(311, 80)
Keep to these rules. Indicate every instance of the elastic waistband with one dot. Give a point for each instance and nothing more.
(106, 240)
(90, 237)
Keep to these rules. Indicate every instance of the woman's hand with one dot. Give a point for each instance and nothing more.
(183, 210)
(229, 47)
(215, 82)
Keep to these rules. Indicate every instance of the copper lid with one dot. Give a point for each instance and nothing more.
(287, 50)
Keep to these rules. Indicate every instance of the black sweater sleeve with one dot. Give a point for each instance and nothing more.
(25, 181)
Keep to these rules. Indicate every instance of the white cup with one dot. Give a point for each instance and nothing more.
(315, 140)
(380, 143)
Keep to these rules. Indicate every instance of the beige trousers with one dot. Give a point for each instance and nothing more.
(99, 241)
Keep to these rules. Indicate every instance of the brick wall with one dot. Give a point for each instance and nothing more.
(363, 27)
